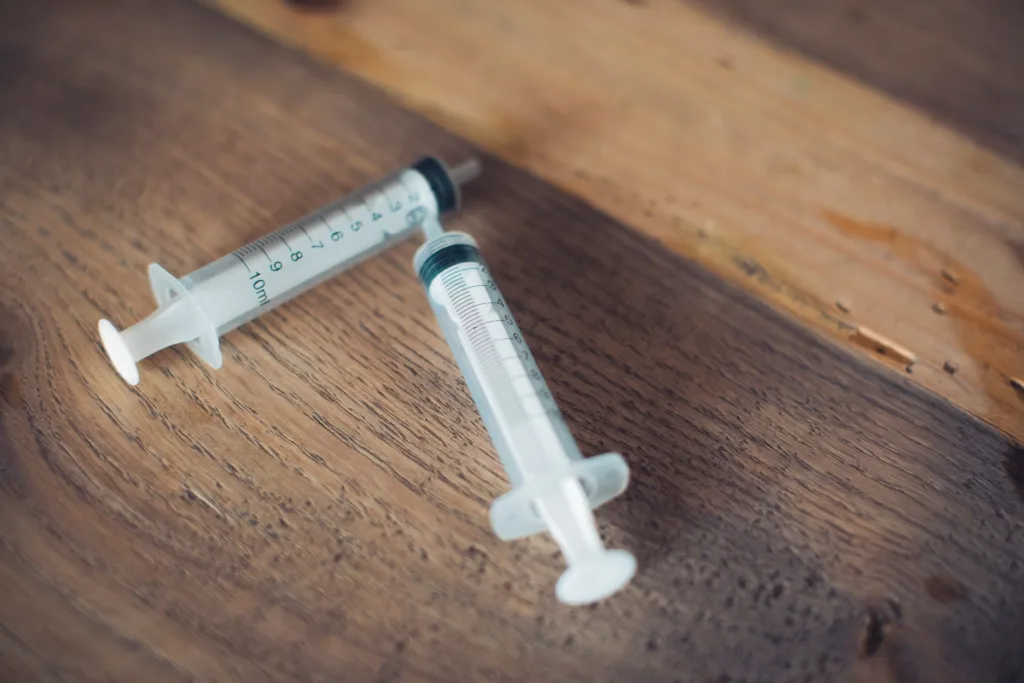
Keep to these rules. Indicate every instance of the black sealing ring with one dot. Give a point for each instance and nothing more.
(444, 259)
(440, 183)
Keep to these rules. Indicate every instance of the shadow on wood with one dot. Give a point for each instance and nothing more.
(773, 496)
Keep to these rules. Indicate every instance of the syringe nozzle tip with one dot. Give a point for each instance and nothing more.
(596, 578)
(466, 171)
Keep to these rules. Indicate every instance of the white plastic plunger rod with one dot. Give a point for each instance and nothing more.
(170, 324)
(210, 302)
(594, 572)
(554, 488)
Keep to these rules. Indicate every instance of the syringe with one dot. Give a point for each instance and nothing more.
(553, 486)
(210, 302)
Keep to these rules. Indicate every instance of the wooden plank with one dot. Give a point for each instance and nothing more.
(823, 154)
(316, 509)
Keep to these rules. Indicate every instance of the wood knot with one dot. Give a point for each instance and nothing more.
(10, 390)
(880, 617)
(8, 348)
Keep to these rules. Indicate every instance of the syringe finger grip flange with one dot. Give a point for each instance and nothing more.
(166, 288)
(603, 477)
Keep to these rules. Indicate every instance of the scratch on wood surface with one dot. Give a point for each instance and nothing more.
(881, 344)
(191, 493)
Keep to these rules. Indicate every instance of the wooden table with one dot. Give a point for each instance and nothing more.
(316, 510)
(832, 157)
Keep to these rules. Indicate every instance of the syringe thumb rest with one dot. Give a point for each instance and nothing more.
(514, 515)
(595, 579)
(594, 573)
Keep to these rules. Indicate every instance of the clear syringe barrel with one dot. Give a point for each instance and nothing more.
(282, 265)
(554, 487)
(514, 401)
(200, 307)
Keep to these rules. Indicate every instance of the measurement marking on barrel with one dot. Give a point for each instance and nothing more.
(259, 286)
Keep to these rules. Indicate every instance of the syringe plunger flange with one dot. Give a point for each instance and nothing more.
(178, 319)
(594, 572)
(562, 505)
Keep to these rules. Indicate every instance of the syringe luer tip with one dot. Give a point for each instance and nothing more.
(466, 171)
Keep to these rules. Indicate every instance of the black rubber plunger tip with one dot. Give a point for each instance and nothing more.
(447, 257)
(441, 184)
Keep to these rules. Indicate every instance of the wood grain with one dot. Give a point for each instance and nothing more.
(316, 510)
(823, 154)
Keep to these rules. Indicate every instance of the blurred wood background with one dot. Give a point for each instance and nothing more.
(316, 509)
(833, 157)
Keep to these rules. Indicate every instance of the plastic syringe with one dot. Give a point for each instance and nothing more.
(554, 487)
(210, 302)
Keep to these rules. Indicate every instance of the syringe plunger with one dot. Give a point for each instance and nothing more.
(206, 304)
(554, 487)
